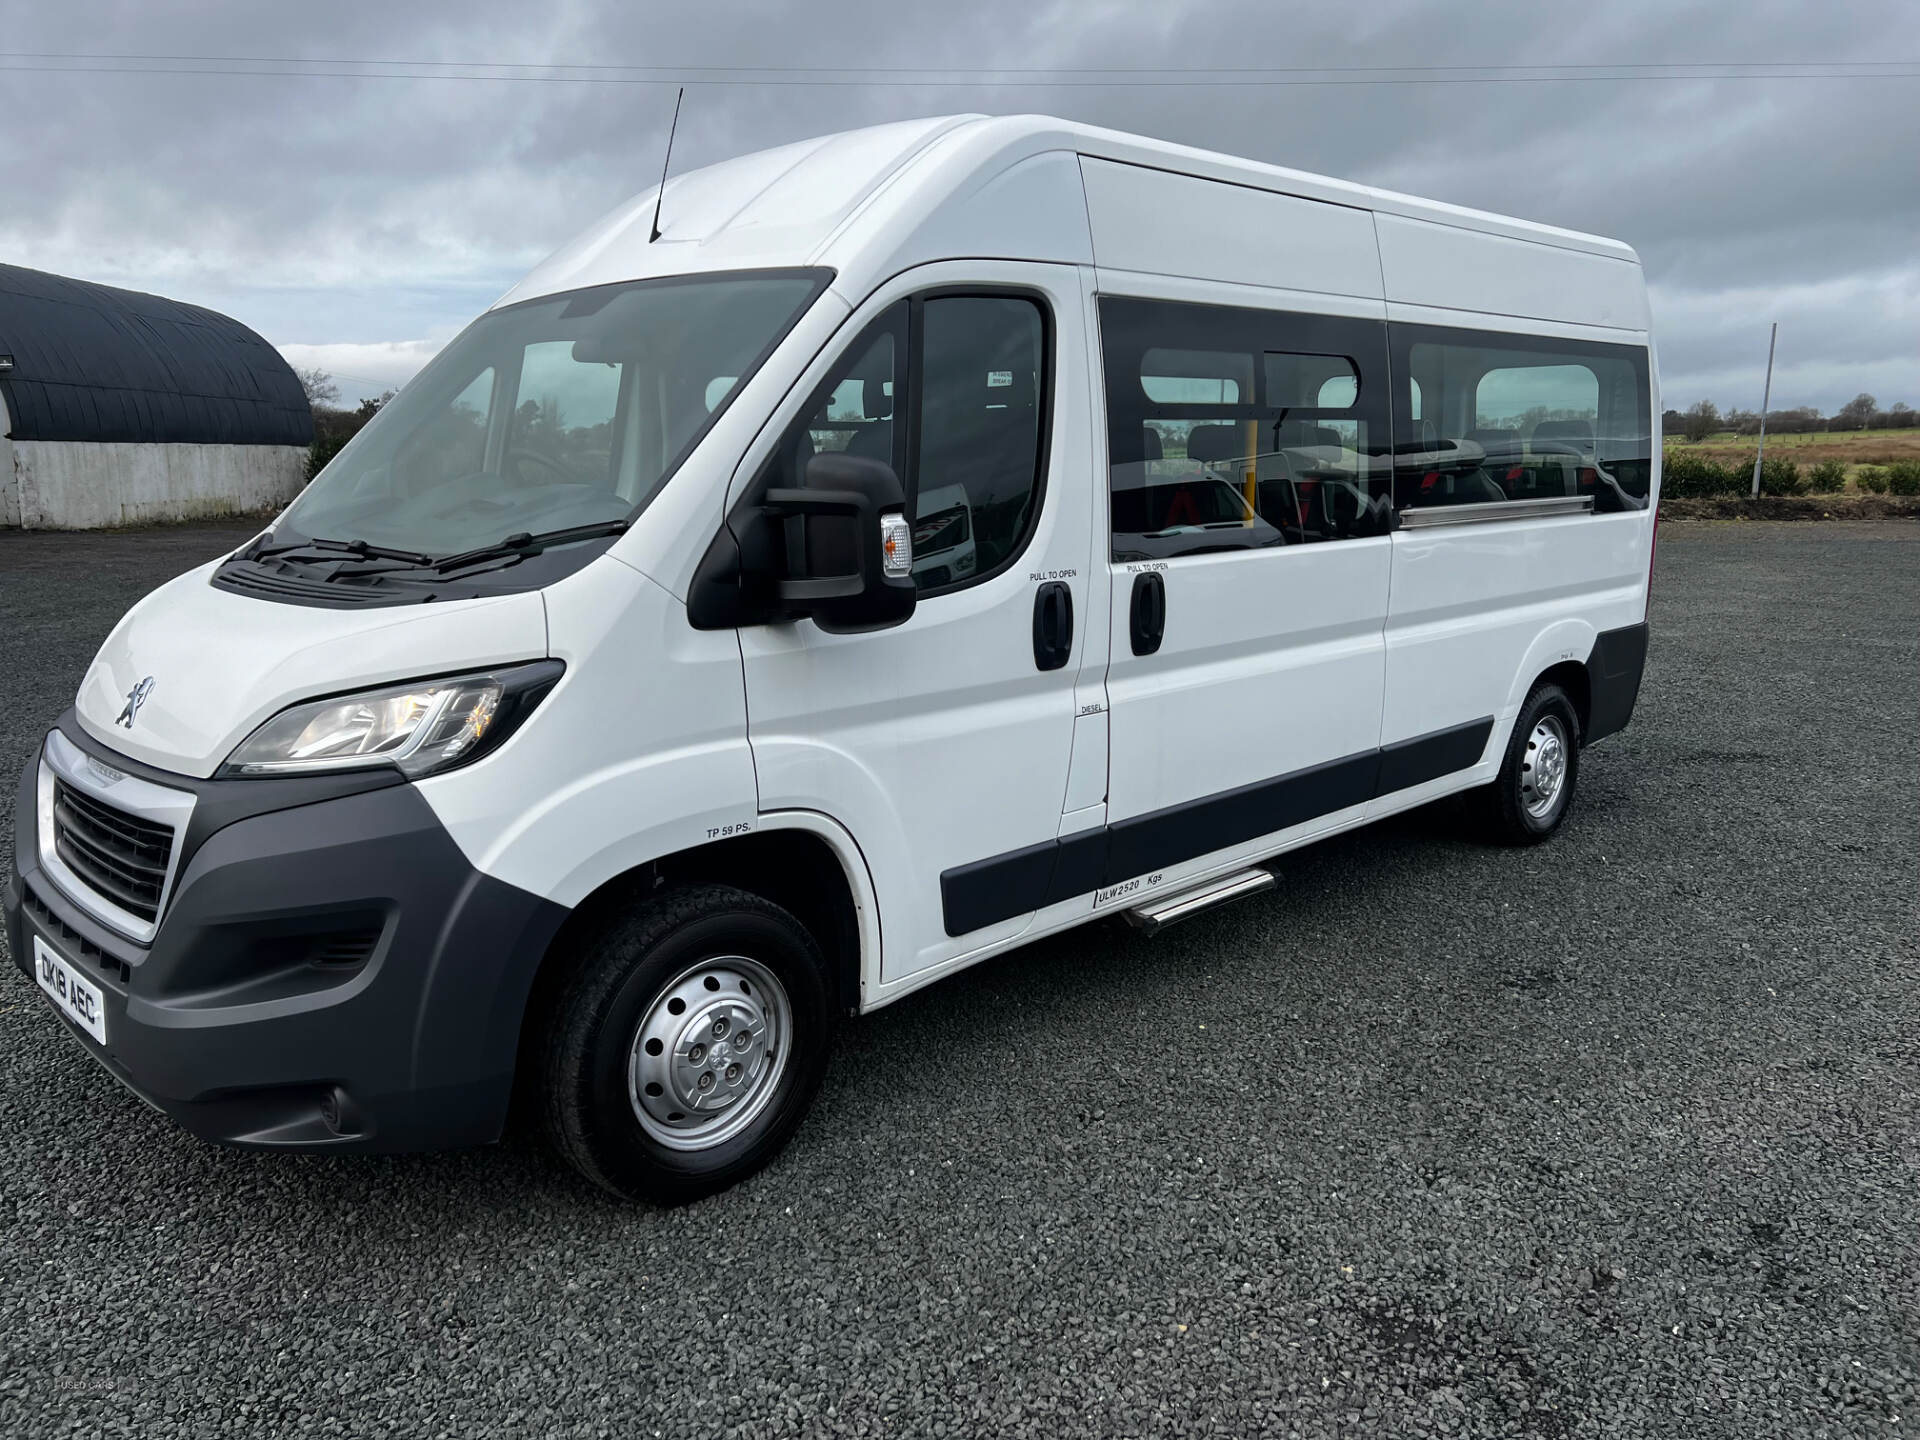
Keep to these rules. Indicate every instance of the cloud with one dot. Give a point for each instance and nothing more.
(385, 213)
(364, 370)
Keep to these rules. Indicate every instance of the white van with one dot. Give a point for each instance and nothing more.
(588, 723)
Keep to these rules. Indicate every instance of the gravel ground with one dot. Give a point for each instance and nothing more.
(1613, 1138)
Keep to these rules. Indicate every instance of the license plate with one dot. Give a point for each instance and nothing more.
(71, 990)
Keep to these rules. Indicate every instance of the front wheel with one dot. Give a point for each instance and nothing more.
(1534, 790)
(686, 1048)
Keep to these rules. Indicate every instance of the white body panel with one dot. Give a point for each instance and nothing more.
(1271, 663)
(1472, 603)
(952, 187)
(937, 744)
(1155, 222)
(223, 663)
(1447, 266)
(640, 751)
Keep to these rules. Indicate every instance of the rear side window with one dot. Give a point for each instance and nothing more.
(1485, 418)
(1232, 429)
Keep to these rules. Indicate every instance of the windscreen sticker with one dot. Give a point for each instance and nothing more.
(999, 379)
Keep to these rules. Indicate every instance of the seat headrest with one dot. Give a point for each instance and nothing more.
(1150, 446)
(875, 403)
(1580, 431)
(1211, 443)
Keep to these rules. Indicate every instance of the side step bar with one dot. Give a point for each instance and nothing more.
(1156, 917)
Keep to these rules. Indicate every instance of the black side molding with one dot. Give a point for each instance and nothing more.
(1613, 679)
(1004, 885)
(1166, 837)
(987, 891)
(1407, 763)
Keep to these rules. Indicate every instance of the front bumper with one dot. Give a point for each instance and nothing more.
(329, 972)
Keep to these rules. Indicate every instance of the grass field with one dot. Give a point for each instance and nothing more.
(1852, 448)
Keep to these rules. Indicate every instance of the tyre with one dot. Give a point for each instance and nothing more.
(686, 1048)
(1535, 787)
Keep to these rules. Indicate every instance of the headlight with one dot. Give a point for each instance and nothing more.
(422, 727)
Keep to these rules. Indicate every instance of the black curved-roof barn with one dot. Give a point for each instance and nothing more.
(94, 363)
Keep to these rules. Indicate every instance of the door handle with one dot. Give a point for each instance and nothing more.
(1148, 612)
(1052, 625)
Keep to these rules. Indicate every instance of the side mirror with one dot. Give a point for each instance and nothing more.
(849, 548)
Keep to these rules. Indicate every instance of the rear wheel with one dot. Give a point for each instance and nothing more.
(1534, 790)
(686, 1048)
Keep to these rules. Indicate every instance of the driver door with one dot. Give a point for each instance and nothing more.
(945, 742)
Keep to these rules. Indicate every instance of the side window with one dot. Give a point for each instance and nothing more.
(977, 468)
(451, 445)
(853, 412)
(857, 418)
(1234, 429)
(562, 430)
(978, 380)
(1489, 417)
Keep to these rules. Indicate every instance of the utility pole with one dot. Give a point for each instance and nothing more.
(1766, 399)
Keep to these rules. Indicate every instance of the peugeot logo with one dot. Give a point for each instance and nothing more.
(136, 697)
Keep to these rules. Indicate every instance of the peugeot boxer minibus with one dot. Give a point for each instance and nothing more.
(590, 726)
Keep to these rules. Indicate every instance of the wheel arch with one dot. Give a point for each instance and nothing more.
(1571, 676)
(1557, 655)
(801, 861)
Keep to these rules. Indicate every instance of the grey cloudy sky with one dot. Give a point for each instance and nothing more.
(359, 222)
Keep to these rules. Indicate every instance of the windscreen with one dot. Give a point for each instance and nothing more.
(569, 410)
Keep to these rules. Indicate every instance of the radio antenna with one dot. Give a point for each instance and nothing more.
(668, 160)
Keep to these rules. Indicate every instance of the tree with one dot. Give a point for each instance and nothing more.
(320, 388)
(1701, 420)
(1800, 421)
(1855, 414)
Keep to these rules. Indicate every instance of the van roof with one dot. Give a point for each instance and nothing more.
(868, 202)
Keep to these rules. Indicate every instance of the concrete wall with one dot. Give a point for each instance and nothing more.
(87, 485)
(9, 488)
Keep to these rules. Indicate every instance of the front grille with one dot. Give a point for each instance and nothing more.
(342, 948)
(72, 943)
(123, 857)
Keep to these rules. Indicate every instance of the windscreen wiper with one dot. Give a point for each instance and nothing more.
(262, 547)
(372, 552)
(523, 543)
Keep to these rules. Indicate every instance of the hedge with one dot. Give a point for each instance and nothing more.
(1829, 477)
(1687, 476)
(323, 449)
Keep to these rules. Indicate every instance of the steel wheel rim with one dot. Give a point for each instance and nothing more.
(708, 1054)
(1543, 768)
